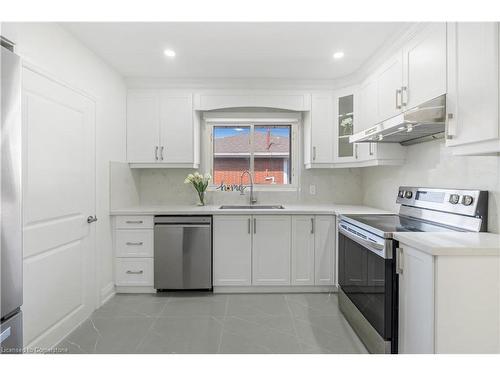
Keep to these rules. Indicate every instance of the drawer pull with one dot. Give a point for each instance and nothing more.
(135, 272)
(135, 243)
(134, 221)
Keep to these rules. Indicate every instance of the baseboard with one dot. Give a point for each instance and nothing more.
(135, 289)
(107, 293)
(277, 289)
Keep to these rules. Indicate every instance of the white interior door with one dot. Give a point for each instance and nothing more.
(59, 195)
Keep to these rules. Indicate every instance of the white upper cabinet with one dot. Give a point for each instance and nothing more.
(161, 129)
(176, 128)
(424, 66)
(322, 127)
(473, 79)
(390, 82)
(143, 125)
(367, 114)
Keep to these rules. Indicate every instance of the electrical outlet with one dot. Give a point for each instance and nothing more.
(312, 189)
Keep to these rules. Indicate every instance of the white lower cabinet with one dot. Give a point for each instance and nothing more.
(324, 249)
(271, 250)
(134, 250)
(274, 250)
(302, 250)
(448, 304)
(232, 252)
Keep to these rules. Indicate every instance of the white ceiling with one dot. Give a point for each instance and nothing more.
(235, 50)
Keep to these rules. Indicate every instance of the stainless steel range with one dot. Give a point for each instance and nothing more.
(368, 282)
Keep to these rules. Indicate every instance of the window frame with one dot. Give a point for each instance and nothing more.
(251, 120)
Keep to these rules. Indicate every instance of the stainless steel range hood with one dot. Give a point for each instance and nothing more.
(423, 123)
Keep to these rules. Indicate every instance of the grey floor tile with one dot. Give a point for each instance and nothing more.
(110, 335)
(254, 334)
(257, 304)
(310, 305)
(128, 307)
(183, 335)
(213, 305)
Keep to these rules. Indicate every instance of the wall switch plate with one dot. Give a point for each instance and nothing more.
(312, 189)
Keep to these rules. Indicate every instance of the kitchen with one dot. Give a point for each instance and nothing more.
(247, 197)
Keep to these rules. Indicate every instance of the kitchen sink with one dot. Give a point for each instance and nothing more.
(252, 207)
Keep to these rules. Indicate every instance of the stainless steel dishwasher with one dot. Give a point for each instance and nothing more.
(183, 252)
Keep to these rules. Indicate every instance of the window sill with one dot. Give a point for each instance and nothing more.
(276, 189)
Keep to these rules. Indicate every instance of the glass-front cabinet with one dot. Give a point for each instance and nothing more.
(345, 122)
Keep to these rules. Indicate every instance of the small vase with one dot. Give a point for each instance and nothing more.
(201, 195)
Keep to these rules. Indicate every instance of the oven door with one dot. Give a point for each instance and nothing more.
(366, 273)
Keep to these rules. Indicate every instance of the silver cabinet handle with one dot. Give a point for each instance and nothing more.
(399, 260)
(156, 152)
(135, 243)
(161, 152)
(134, 221)
(249, 225)
(370, 150)
(129, 272)
(91, 219)
(404, 96)
(356, 150)
(398, 96)
(314, 153)
(449, 134)
(312, 225)
(254, 225)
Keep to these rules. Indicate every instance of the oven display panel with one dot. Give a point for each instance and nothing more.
(430, 196)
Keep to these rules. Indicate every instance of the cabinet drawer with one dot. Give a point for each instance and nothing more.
(134, 243)
(134, 272)
(130, 222)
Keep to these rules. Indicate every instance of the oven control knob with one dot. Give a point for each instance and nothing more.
(401, 194)
(467, 200)
(408, 194)
(454, 198)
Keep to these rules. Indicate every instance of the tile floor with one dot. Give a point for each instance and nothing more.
(207, 323)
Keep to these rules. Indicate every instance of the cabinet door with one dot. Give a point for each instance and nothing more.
(322, 128)
(271, 250)
(416, 302)
(143, 125)
(177, 128)
(472, 97)
(367, 112)
(303, 250)
(389, 82)
(324, 244)
(232, 252)
(424, 75)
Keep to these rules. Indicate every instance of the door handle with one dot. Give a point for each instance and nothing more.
(134, 243)
(156, 152)
(312, 225)
(399, 260)
(449, 131)
(398, 96)
(356, 150)
(404, 96)
(254, 225)
(249, 225)
(161, 152)
(314, 153)
(91, 219)
(370, 149)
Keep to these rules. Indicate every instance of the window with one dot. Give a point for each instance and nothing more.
(264, 150)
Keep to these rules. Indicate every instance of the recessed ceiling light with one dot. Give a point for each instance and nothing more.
(338, 55)
(169, 53)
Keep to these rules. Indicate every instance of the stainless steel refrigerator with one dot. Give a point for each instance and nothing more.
(11, 256)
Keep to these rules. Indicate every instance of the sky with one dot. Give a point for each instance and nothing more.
(221, 132)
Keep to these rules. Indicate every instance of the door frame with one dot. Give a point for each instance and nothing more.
(95, 279)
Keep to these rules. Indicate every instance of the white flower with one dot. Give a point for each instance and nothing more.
(190, 176)
(207, 176)
(187, 181)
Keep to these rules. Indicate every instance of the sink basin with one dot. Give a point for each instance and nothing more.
(252, 207)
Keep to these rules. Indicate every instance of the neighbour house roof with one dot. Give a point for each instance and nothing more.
(240, 144)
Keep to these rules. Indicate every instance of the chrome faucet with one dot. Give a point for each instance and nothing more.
(252, 198)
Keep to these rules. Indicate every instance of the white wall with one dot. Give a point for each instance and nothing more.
(432, 164)
(52, 49)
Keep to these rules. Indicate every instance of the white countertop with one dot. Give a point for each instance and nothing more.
(454, 243)
(305, 209)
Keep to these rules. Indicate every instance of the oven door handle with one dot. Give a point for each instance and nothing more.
(372, 246)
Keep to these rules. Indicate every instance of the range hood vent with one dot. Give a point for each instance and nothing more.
(420, 124)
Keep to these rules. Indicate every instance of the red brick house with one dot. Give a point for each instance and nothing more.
(271, 159)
